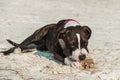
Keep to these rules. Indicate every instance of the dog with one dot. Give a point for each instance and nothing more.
(66, 39)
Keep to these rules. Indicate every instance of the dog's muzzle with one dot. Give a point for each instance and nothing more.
(77, 55)
(82, 57)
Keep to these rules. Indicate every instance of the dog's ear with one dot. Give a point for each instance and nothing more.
(87, 31)
(62, 43)
(61, 23)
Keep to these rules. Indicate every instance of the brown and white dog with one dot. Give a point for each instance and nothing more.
(66, 39)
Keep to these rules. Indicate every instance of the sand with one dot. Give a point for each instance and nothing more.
(19, 19)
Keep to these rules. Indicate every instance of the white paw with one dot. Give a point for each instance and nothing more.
(84, 51)
(75, 54)
(75, 64)
(17, 50)
(71, 63)
(67, 61)
(1, 54)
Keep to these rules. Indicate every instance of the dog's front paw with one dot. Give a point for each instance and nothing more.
(75, 65)
(87, 63)
(71, 63)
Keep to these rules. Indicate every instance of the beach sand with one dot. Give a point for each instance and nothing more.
(19, 19)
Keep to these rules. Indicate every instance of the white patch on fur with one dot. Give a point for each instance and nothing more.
(68, 62)
(78, 37)
(71, 23)
(18, 50)
(75, 54)
(84, 51)
(1, 54)
(62, 43)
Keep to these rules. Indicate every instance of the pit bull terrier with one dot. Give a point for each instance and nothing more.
(67, 40)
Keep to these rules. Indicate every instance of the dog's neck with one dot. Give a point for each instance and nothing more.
(71, 22)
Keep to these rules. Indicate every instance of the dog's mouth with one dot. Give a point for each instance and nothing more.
(80, 58)
(77, 55)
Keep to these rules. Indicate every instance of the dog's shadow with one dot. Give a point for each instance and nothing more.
(47, 55)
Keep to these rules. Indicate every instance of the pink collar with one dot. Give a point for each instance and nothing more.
(71, 22)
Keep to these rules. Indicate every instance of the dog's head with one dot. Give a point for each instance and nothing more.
(70, 43)
(73, 38)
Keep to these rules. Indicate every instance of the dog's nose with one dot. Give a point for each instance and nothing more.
(82, 57)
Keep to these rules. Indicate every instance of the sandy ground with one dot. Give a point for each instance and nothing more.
(20, 18)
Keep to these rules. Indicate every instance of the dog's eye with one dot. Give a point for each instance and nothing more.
(72, 46)
(69, 34)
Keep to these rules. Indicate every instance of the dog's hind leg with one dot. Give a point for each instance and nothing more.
(38, 34)
(8, 51)
(23, 49)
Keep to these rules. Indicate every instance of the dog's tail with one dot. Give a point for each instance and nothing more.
(7, 52)
(24, 48)
(13, 43)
